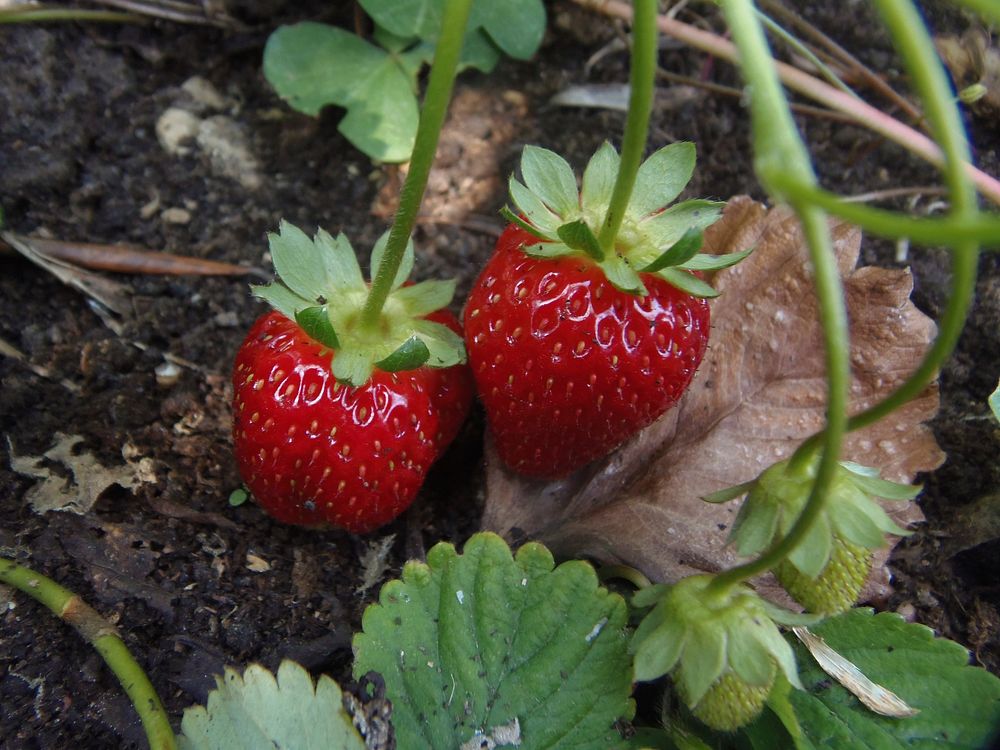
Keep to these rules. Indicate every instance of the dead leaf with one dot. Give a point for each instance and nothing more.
(759, 393)
(86, 481)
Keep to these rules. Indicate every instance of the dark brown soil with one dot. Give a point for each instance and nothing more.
(193, 583)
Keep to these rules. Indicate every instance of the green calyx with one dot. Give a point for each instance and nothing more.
(700, 636)
(778, 496)
(321, 287)
(652, 239)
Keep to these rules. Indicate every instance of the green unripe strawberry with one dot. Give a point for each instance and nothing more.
(730, 703)
(837, 588)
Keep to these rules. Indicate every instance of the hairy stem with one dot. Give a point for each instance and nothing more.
(102, 636)
(432, 114)
(642, 78)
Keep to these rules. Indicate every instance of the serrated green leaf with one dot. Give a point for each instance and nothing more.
(257, 712)
(426, 297)
(312, 65)
(298, 262)
(532, 207)
(577, 235)
(469, 642)
(622, 275)
(445, 346)
(410, 355)
(352, 367)
(679, 253)
(661, 178)
(959, 705)
(516, 26)
(281, 298)
(704, 660)
(599, 179)
(342, 270)
(551, 179)
(405, 265)
(315, 321)
(665, 228)
(702, 262)
(687, 282)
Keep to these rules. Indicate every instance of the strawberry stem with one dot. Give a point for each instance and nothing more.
(102, 636)
(439, 86)
(640, 104)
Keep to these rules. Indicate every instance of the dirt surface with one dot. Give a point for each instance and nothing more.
(193, 583)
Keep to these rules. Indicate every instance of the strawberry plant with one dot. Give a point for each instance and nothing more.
(312, 65)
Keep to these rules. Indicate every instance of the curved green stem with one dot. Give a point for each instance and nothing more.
(778, 150)
(102, 636)
(642, 79)
(432, 114)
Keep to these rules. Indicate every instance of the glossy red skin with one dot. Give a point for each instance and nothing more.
(567, 366)
(313, 451)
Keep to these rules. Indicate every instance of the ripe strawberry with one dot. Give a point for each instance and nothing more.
(340, 426)
(572, 349)
(837, 588)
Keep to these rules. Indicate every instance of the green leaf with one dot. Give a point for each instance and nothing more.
(426, 297)
(479, 52)
(687, 282)
(702, 262)
(959, 705)
(622, 275)
(532, 207)
(680, 252)
(579, 236)
(445, 346)
(516, 26)
(405, 265)
(407, 18)
(661, 178)
(411, 354)
(599, 179)
(281, 298)
(995, 402)
(315, 321)
(257, 712)
(312, 65)
(467, 643)
(551, 179)
(298, 262)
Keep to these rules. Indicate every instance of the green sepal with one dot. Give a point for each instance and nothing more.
(703, 262)
(687, 282)
(352, 367)
(599, 179)
(728, 493)
(281, 298)
(679, 253)
(531, 229)
(343, 274)
(663, 229)
(409, 356)
(813, 553)
(769, 638)
(622, 276)
(787, 617)
(549, 177)
(446, 348)
(298, 262)
(529, 204)
(548, 250)
(650, 596)
(425, 297)
(754, 527)
(755, 666)
(661, 178)
(704, 660)
(868, 480)
(578, 236)
(658, 643)
(315, 321)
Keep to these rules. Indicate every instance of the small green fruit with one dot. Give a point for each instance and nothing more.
(730, 703)
(837, 587)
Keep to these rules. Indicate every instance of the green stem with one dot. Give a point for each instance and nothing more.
(642, 78)
(778, 149)
(435, 107)
(39, 15)
(102, 636)
(626, 573)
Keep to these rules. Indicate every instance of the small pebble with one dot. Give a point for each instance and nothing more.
(167, 374)
(175, 128)
(176, 216)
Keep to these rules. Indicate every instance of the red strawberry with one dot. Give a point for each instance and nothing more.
(572, 349)
(568, 366)
(314, 449)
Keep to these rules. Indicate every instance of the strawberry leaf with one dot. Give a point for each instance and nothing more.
(315, 321)
(679, 253)
(578, 236)
(661, 178)
(551, 179)
(409, 356)
(959, 704)
(255, 711)
(468, 643)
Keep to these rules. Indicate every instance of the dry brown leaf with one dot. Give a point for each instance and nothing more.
(758, 394)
